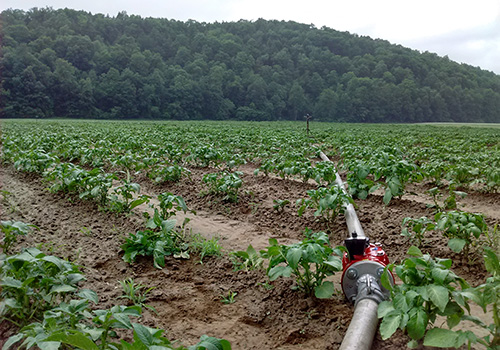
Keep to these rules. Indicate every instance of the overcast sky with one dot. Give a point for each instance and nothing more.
(466, 31)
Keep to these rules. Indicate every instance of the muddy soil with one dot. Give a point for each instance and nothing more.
(187, 294)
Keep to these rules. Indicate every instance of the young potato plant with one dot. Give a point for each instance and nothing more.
(247, 260)
(205, 156)
(96, 186)
(462, 228)
(33, 282)
(326, 201)
(157, 244)
(325, 173)
(65, 177)
(396, 173)
(122, 201)
(75, 325)
(360, 184)
(136, 293)
(168, 173)
(428, 289)
(169, 205)
(415, 229)
(34, 161)
(462, 174)
(449, 202)
(11, 230)
(309, 261)
(224, 183)
(487, 296)
(492, 179)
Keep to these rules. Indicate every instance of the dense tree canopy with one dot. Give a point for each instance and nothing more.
(67, 63)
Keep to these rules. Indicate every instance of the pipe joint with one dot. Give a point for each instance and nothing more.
(369, 288)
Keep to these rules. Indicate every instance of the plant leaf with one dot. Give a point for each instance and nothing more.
(414, 251)
(389, 325)
(279, 271)
(293, 257)
(89, 295)
(456, 244)
(441, 338)
(77, 340)
(438, 295)
(387, 196)
(143, 334)
(417, 324)
(12, 340)
(324, 291)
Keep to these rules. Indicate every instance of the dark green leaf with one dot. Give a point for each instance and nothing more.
(279, 271)
(441, 338)
(389, 325)
(417, 324)
(439, 295)
(456, 244)
(324, 291)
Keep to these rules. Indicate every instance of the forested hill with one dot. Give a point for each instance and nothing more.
(67, 63)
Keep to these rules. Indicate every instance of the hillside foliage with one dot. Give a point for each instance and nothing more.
(68, 63)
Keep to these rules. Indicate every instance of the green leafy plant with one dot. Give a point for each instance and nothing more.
(157, 244)
(462, 228)
(203, 247)
(123, 198)
(247, 260)
(11, 230)
(168, 173)
(415, 229)
(309, 261)
(136, 293)
(96, 185)
(360, 184)
(33, 282)
(229, 298)
(492, 182)
(326, 201)
(168, 207)
(34, 161)
(224, 183)
(280, 204)
(449, 202)
(74, 325)
(325, 173)
(487, 295)
(428, 289)
(170, 204)
(205, 156)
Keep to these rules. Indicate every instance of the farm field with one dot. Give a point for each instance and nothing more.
(97, 190)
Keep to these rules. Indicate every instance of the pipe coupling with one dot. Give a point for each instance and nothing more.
(369, 288)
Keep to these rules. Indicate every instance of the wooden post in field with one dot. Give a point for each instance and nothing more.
(308, 117)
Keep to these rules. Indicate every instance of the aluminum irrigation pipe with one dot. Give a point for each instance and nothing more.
(363, 326)
(353, 224)
(359, 335)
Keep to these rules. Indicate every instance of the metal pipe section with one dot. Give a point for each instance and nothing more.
(366, 292)
(352, 220)
(363, 326)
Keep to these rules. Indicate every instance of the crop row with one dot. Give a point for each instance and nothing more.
(374, 157)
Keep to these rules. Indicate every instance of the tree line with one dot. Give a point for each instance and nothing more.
(68, 63)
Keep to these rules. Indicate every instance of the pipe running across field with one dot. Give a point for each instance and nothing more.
(352, 220)
(363, 326)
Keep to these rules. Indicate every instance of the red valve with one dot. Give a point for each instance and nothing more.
(373, 252)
